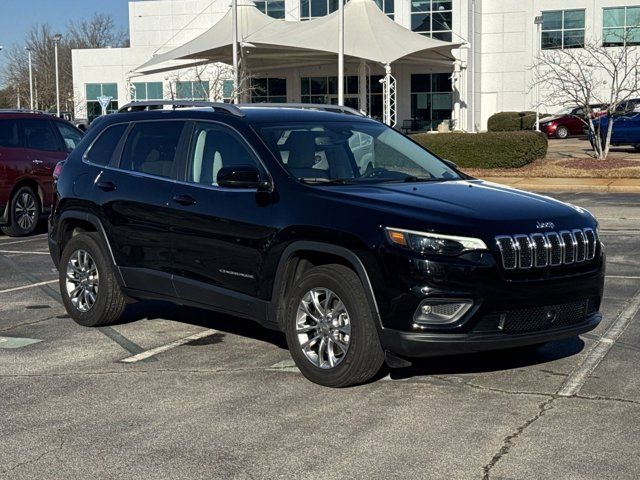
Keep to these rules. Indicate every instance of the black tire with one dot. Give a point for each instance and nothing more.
(110, 302)
(562, 132)
(24, 213)
(364, 356)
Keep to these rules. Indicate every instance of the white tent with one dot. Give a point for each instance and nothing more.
(267, 43)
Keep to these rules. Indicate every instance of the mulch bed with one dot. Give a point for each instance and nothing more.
(595, 164)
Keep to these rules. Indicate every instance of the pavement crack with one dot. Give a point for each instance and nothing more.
(605, 398)
(39, 457)
(510, 440)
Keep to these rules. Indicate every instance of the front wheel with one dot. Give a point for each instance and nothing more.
(331, 330)
(562, 132)
(90, 292)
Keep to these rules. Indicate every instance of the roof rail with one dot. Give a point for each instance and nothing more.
(310, 106)
(177, 104)
(23, 110)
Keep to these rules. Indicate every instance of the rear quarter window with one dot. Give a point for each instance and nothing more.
(104, 147)
(9, 136)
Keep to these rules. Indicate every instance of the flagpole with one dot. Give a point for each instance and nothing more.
(341, 52)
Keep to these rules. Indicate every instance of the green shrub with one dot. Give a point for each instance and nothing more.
(486, 150)
(512, 121)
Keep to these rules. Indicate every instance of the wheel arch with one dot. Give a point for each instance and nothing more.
(302, 255)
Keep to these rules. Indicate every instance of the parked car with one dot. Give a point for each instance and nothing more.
(31, 144)
(626, 124)
(264, 213)
(568, 121)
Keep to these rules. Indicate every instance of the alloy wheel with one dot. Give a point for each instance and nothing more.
(82, 280)
(323, 327)
(25, 211)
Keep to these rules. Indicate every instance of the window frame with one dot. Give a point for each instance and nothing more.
(626, 27)
(382, 5)
(431, 13)
(563, 29)
(267, 95)
(309, 16)
(430, 92)
(266, 3)
(49, 126)
(192, 83)
(146, 91)
(117, 152)
(188, 144)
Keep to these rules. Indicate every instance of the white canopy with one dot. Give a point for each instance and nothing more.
(266, 42)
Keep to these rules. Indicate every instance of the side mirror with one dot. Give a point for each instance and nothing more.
(450, 163)
(241, 176)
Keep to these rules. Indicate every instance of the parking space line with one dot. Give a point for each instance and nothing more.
(629, 277)
(24, 253)
(583, 371)
(15, 242)
(124, 342)
(163, 348)
(25, 287)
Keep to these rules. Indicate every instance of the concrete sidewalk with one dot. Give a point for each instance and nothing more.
(611, 185)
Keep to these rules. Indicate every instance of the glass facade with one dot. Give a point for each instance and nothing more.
(95, 90)
(621, 26)
(562, 29)
(325, 90)
(146, 91)
(431, 99)
(432, 18)
(192, 90)
(387, 6)
(316, 8)
(269, 90)
(273, 8)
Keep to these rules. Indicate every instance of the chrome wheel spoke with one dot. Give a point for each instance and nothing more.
(315, 294)
(82, 281)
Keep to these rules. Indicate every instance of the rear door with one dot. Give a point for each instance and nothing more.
(43, 150)
(133, 196)
(220, 235)
(14, 163)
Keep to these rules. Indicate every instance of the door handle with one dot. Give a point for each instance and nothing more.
(37, 162)
(185, 200)
(106, 186)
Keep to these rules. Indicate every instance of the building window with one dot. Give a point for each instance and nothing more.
(621, 26)
(387, 6)
(95, 90)
(325, 90)
(375, 97)
(227, 91)
(269, 90)
(146, 91)
(192, 90)
(432, 18)
(273, 8)
(431, 99)
(562, 29)
(317, 8)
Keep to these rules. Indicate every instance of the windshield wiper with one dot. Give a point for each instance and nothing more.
(327, 181)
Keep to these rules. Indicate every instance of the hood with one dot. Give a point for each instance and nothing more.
(552, 118)
(473, 208)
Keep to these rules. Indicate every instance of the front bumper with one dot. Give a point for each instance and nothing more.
(414, 344)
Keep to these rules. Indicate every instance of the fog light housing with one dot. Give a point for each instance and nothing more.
(441, 311)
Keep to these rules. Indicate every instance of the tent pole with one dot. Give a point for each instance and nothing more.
(341, 53)
(234, 32)
(362, 86)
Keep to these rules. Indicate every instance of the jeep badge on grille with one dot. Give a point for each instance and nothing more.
(544, 225)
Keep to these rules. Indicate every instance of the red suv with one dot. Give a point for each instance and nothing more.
(31, 144)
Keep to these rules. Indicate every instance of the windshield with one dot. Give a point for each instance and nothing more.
(565, 111)
(352, 152)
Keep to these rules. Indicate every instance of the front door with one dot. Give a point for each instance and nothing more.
(220, 235)
(134, 198)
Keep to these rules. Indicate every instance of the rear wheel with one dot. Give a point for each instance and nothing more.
(562, 132)
(24, 213)
(330, 328)
(89, 289)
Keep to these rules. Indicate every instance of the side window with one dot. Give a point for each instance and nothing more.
(102, 149)
(70, 135)
(151, 148)
(213, 148)
(39, 135)
(9, 136)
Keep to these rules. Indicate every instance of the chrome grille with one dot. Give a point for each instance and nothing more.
(547, 249)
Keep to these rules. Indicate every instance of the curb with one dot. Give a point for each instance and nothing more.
(605, 185)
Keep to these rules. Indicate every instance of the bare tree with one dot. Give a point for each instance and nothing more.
(97, 32)
(595, 74)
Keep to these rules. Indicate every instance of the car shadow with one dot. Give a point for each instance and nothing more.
(161, 310)
(485, 362)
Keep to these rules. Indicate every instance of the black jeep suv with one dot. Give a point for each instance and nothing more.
(355, 241)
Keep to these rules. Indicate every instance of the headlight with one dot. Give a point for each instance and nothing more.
(423, 242)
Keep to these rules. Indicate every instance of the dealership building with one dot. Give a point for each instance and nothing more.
(461, 60)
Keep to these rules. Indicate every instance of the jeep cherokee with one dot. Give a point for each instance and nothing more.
(264, 212)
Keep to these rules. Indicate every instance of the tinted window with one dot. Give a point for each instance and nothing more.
(70, 135)
(9, 133)
(39, 135)
(151, 148)
(214, 147)
(104, 147)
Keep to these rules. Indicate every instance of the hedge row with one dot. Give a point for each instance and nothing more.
(512, 121)
(486, 150)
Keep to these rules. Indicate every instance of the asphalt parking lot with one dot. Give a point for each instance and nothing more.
(176, 392)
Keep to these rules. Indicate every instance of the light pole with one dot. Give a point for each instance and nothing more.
(56, 40)
(538, 23)
(28, 49)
